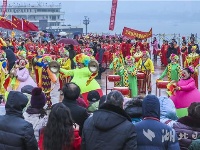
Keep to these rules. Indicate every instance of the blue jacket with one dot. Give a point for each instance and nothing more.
(152, 134)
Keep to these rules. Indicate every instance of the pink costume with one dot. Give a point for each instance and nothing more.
(24, 78)
(187, 95)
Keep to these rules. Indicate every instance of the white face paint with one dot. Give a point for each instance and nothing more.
(22, 63)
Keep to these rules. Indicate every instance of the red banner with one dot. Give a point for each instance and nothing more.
(113, 15)
(131, 33)
(4, 6)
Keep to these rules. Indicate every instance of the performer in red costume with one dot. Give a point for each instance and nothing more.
(123, 48)
(139, 43)
(164, 49)
(146, 46)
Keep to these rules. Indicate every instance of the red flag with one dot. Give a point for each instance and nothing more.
(113, 15)
(6, 24)
(33, 27)
(17, 22)
(28, 26)
(25, 25)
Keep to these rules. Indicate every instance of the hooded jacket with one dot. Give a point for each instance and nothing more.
(15, 132)
(167, 111)
(152, 134)
(109, 128)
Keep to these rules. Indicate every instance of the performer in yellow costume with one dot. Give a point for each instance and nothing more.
(65, 63)
(116, 65)
(145, 65)
(3, 71)
(193, 60)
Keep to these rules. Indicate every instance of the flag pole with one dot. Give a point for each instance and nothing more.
(22, 24)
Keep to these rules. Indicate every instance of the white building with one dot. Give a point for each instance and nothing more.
(51, 14)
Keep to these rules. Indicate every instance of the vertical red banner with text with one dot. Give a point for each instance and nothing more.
(113, 15)
(4, 7)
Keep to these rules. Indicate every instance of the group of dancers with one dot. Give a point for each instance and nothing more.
(35, 64)
(127, 61)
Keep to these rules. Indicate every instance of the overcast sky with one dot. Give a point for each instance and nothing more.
(163, 16)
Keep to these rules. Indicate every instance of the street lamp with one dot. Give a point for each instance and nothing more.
(86, 21)
(69, 30)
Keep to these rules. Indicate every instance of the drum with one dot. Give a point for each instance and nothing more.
(162, 84)
(123, 90)
(114, 78)
(141, 75)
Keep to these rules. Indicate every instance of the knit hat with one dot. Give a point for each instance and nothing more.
(93, 96)
(38, 99)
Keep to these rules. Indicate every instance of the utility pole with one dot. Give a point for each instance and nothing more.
(86, 21)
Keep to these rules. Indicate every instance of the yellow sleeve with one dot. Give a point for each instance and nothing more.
(67, 65)
(151, 65)
(3, 42)
(138, 64)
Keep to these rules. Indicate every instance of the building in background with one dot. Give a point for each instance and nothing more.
(45, 16)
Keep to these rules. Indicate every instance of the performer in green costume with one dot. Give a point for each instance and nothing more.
(129, 73)
(173, 70)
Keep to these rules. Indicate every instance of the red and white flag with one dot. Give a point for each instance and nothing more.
(113, 15)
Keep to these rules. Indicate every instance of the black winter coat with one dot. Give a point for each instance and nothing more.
(79, 114)
(109, 128)
(15, 132)
(187, 129)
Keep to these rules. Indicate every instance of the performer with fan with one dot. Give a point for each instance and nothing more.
(82, 76)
